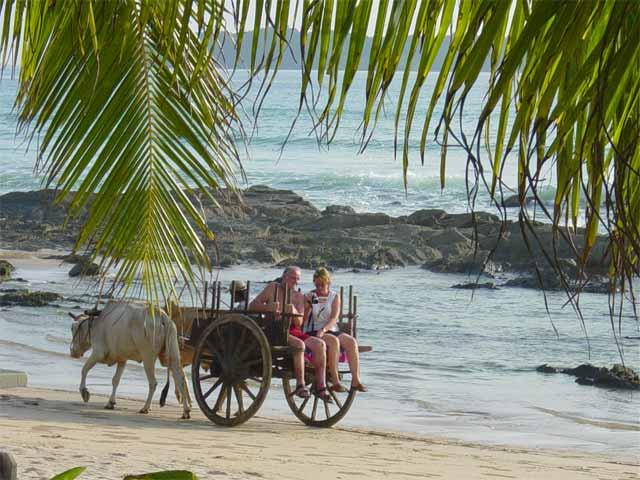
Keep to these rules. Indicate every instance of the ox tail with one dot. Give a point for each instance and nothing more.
(172, 354)
(165, 390)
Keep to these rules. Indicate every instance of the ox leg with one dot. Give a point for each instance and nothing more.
(88, 365)
(181, 385)
(149, 368)
(115, 381)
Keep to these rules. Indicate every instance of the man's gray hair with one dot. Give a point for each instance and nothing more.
(291, 269)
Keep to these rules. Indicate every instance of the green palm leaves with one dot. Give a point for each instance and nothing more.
(562, 98)
(133, 112)
(134, 108)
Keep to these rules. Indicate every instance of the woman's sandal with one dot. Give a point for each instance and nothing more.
(324, 395)
(301, 391)
(359, 388)
(338, 388)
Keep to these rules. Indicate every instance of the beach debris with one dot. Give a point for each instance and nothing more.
(6, 269)
(26, 298)
(618, 376)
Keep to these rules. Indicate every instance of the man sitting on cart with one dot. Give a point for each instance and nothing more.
(272, 299)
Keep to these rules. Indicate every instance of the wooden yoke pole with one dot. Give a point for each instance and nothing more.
(350, 310)
(218, 295)
(247, 296)
(233, 295)
(355, 315)
(213, 296)
(286, 318)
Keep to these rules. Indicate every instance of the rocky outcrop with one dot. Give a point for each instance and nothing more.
(279, 227)
(6, 269)
(25, 298)
(618, 376)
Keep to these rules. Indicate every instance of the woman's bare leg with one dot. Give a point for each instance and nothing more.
(333, 355)
(319, 350)
(350, 346)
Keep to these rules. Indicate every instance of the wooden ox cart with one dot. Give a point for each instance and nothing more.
(234, 354)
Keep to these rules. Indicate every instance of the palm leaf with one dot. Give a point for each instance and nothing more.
(132, 111)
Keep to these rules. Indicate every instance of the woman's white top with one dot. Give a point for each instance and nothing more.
(320, 312)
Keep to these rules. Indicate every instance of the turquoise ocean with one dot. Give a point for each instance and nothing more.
(445, 363)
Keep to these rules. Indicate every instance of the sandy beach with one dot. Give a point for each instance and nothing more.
(49, 431)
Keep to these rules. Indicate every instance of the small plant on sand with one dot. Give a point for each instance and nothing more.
(166, 475)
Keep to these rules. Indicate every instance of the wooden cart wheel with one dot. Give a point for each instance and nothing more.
(314, 411)
(231, 370)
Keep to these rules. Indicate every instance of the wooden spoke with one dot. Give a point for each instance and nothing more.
(333, 411)
(240, 343)
(315, 407)
(245, 387)
(207, 377)
(335, 398)
(224, 341)
(221, 398)
(304, 404)
(228, 415)
(215, 385)
(238, 393)
(253, 363)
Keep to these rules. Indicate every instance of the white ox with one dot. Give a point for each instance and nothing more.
(129, 331)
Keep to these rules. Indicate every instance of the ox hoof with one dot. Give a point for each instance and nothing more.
(110, 405)
(85, 395)
(185, 416)
(143, 411)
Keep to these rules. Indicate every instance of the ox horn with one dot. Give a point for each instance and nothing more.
(73, 316)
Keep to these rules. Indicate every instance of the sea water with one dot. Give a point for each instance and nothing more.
(446, 362)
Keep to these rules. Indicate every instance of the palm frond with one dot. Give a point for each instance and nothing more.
(571, 69)
(133, 113)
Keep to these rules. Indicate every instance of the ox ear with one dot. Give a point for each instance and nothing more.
(75, 317)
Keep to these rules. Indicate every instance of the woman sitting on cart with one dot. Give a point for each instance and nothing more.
(270, 300)
(322, 308)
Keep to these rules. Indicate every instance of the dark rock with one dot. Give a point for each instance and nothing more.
(466, 220)
(475, 285)
(334, 222)
(514, 201)
(338, 210)
(29, 299)
(584, 381)
(584, 370)
(426, 217)
(6, 269)
(467, 262)
(544, 368)
(85, 269)
(386, 257)
(618, 377)
(278, 226)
